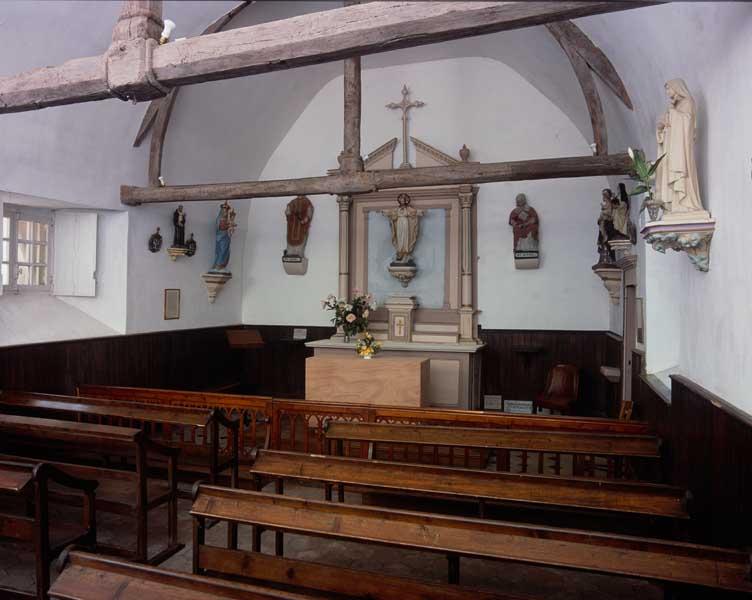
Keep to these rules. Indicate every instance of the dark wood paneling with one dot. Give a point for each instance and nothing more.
(512, 369)
(278, 369)
(189, 359)
(614, 349)
(707, 445)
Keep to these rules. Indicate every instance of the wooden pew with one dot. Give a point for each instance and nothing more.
(502, 440)
(31, 438)
(671, 563)
(92, 577)
(156, 421)
(298, 425)
(30, 483)
(610, 497)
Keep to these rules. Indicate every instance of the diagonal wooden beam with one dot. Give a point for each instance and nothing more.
(594, 57)
(589, 89)
(143, 72)
(368, 181)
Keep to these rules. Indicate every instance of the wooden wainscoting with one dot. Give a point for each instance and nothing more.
(516, 362)
(707, 444)
(189, 359)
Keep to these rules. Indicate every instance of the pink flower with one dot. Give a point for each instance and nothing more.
(350, 318)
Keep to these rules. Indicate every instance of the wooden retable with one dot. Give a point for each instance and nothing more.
(382, 380)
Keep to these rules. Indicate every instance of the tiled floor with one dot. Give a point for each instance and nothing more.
(16, 564)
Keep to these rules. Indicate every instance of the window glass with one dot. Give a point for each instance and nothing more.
(6, 227)
(6, 250)
(25, 230)
(24, 275)
(39, 276)
(5, 271)
(24, 253)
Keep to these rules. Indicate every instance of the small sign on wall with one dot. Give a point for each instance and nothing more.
(491, 402)
(520, 407)
(171, 304)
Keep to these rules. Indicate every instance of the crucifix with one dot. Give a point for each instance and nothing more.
(405, 105)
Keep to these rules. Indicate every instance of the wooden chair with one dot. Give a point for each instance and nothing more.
(671, 563)
(121, 490)
(30, 482)
(561, 390)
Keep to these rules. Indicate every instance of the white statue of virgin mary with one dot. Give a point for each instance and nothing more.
(676, 178)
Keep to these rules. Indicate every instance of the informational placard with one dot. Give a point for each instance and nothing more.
(299, 333)
(492, 402)
(520, 407)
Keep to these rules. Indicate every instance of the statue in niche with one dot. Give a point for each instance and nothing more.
(178, 220)
(299, 214)
(405, 225)
(525, 224)
(615, 228)
(225, 227)
(676, 177)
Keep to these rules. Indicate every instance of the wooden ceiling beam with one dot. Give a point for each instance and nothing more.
(138, 70)
(368, 181)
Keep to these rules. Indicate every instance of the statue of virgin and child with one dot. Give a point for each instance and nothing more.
(225, 227)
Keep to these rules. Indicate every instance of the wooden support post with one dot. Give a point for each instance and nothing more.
(199, 535)
(279, 537)
(139, 19)
(453, 569)
(350, 159)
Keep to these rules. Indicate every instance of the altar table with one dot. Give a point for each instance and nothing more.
(380, 381)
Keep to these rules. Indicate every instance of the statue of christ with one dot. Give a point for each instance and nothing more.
(405, 223)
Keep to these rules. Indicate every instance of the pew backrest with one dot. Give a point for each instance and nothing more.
(646, 558)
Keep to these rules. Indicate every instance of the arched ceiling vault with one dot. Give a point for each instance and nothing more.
(584, 56)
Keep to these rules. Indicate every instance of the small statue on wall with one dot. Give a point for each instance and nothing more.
(178, 220)
(299, 215)
(225, 227)
(405, 225)
(178, 247)
(615, 228)
(155, 241)
(525, 225)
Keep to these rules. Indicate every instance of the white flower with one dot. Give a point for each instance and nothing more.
(365, 314)
(374, 306)
(630, 152)
(348, 307)
(350, 318)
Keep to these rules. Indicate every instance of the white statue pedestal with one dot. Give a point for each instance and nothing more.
(295, 265)
(689, 232)
(610, 274)
(214, 283)
(403, 272)
(176, 251)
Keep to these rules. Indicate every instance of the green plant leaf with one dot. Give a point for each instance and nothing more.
(640, 189)
(654, 166)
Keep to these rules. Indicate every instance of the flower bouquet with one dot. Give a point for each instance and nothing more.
(352, 316)
(367, 346)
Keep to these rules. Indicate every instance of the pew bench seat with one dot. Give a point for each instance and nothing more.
(670, 563)
(92, 577)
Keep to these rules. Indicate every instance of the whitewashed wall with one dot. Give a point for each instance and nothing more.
(489, 107)
(697, 323)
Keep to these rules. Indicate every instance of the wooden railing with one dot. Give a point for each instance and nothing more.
(298, 425)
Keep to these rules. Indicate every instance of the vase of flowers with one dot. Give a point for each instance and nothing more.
(351, 316)
(644, 174)
(367, 346)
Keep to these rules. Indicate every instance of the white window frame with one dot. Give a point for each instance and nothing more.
(38, 215)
